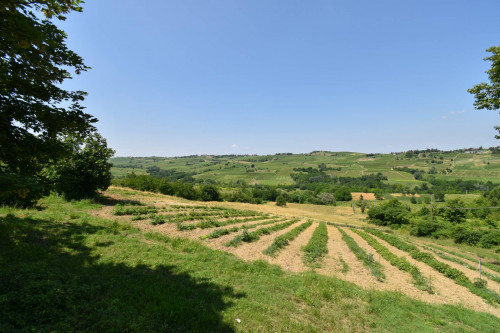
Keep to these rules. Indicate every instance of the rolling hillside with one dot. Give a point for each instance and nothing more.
(276, 169)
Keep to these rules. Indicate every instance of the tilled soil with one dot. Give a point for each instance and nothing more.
(290, 257)
(357, 273)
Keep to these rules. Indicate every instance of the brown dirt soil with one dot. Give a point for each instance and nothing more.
(357, 273)
(366, 196)
(290, 257)
(453, 293)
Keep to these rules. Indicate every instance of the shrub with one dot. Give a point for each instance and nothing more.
(327, 198)
(424, 228)
(389, 213)
(280, 201)
(455, 214)
(467, 236)
(490, 239)
(209, 193)
(343, 194)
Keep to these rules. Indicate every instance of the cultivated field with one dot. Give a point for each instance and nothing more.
(300, 239)
(276, 169)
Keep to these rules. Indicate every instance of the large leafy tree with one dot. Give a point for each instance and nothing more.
(488, 94)
(35, 111)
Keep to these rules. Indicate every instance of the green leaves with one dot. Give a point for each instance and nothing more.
(487, 95)
(35, 112)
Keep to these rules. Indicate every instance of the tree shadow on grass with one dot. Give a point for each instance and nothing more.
(51, 281)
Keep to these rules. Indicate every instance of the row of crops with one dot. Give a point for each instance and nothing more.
(240, 226)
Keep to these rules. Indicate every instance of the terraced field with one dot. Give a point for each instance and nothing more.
(370, 258)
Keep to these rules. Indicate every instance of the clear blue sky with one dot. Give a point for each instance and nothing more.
(185, 77)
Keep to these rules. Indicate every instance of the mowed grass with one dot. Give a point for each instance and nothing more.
(62, 269)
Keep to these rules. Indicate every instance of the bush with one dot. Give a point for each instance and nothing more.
(455, 215)
(490, 239)
(462, 235)
(424, 228)
(494, 196)
(439, 196)
(327, 198)
(209, 193)
(343, 194)
(390, 213)
(280, 201)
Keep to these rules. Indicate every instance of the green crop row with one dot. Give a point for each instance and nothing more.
(443, 255)
(255, 235)
(316, 248)
(400, 262)
(215, 223)
(285, 239)
(120, 210)
(445, 269)
(493, 267)
(365, 258)
(221, 232)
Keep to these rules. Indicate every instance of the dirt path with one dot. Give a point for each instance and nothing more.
(453, 293)
(357, 273)
(396, 279)
(290, 257)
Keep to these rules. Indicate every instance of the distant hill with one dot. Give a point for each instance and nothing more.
(406, 168)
